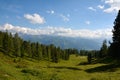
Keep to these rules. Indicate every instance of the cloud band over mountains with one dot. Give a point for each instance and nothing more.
(59, 31)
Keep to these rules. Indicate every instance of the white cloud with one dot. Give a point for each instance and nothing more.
(65, 18)
(87, 22)
(60, 31)
(101, 6)
(114, 5)
(51, 11)
(35, 18)
(91, 8)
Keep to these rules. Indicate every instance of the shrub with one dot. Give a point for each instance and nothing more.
(32, 72)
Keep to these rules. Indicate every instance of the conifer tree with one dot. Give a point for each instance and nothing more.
(1, 39)
(5, 42)
(89, 57)
(114, 49)
(23, 47)
(103, 50)
(49, 53)
(33, 50)
(28, 48)
(17, 45)
(38, 51)
(11, 45)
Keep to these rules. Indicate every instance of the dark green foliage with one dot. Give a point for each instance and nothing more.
(55, 56)
(95, 53)
(17, 46)
(114, 49)
(49, 53)
(32, 72)
(5, 44)
(38, 51)
(103, 50)
(14, 46)
(89, 58)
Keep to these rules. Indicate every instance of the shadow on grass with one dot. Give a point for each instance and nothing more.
(104, 68)
(82, 63)
(64, 67)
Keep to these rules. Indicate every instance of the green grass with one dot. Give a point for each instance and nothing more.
(74, 69)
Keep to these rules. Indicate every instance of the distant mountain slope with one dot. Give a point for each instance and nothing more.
(65, 42)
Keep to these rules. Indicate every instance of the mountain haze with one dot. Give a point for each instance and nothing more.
(65, 42)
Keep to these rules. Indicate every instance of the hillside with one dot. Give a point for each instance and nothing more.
(30, 69)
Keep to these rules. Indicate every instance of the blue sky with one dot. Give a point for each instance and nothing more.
(59, 17)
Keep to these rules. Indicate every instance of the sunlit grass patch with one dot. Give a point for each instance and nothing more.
(73, 69)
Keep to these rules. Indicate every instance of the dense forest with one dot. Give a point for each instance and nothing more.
(12, 45)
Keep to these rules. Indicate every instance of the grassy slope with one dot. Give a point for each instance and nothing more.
(65, 70)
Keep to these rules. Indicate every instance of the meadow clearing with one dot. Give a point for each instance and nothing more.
(73, 69)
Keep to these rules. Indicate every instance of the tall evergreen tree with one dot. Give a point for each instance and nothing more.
(103, 50)
(89, 57)
(17, 45)
(1, 39)
(28, 48)
(49, 53)
(33, 50)
(114, 49)
(10, 44)
(23, 47)
(6, 42)
(38, 51)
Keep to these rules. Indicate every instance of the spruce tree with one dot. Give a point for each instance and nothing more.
(38, 51)
(28, 49)
(89, 58)
(1, 39)
(17, 45)
(114, 49)
(33, 50)
(49, 53)
(103, 50)
(6, 43)
(10, 44)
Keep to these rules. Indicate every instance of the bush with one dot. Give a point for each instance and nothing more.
(89, 58)
(32, 72)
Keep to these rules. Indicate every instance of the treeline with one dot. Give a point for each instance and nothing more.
(96, 54)
(13, 45)
(112, 51)
(103, 52)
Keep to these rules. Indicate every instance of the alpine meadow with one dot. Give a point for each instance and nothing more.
(60, 40)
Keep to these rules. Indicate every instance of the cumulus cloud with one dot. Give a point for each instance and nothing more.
(59, 31)
(91, 8)
(101, 6)
(114, 5)
(65, 18)
(35, 18)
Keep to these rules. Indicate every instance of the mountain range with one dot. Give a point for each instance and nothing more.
(65, 42)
